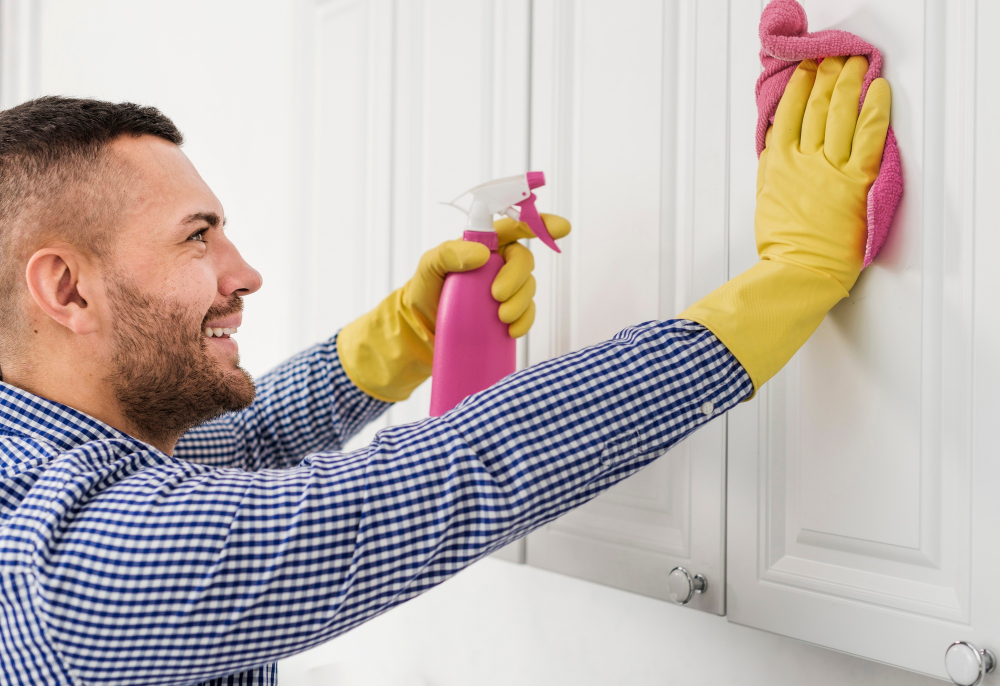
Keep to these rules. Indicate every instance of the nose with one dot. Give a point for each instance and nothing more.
(236, 276)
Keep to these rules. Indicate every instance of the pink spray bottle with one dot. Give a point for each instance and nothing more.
(472, 347)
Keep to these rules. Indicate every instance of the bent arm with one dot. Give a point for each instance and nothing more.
(305, 405)
(210, 571)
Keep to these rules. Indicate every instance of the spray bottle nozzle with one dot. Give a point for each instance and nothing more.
(502, 196)
(535, 179)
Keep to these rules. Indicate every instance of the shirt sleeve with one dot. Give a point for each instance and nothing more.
(183, 572)
(306, 405)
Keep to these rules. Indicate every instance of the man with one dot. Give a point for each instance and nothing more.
(135, 549)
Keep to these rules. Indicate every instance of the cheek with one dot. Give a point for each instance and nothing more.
(194, 286)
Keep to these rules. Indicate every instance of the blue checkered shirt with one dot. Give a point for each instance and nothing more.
(257, 539)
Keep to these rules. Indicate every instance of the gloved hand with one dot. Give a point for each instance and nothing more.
(388, 352)
(813, 179)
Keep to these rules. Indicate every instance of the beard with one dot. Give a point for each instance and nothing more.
(162, 375)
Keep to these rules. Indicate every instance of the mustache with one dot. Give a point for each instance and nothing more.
(231, 306)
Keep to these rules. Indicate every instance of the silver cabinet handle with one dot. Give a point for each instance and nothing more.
(683, 586)
(967, 664)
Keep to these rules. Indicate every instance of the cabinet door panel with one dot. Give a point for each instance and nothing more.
(614, 112)
(851, 515)
(401, 106)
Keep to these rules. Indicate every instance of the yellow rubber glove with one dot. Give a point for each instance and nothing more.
(813, 178)
(388, 352)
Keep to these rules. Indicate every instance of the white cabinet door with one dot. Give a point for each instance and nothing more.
(636, 158)
(862, 508)
(401, 105)
(460, 118)
(344, 105)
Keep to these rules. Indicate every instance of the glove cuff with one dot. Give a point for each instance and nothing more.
(387, 352)
(767, 313)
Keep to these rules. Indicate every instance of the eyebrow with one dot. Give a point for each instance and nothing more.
(210, 218)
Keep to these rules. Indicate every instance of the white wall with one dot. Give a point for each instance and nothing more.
(220, 70)
(224, 70)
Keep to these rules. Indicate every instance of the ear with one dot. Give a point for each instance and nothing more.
(59, 280)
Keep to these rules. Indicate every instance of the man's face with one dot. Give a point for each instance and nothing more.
(174, 281)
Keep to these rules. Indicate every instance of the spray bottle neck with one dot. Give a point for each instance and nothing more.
(487, 238)
(480, 217)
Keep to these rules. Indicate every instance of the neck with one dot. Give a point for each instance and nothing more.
(81, 387)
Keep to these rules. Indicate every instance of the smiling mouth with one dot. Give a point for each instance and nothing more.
(217, 332)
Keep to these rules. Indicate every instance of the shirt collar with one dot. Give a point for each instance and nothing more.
(30, 415)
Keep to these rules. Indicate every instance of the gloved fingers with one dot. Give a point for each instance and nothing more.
(873, 124)
(523, 324)
(843, 117)
(814, 120)
(514, 274)
(558, 227)
(514, 307)
(788, 116)
(509, 230)
(762, 160)
(454, 256)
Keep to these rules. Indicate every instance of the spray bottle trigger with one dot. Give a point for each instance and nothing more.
(529, 215)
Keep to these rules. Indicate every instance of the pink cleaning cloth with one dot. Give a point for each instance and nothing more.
(784, 42)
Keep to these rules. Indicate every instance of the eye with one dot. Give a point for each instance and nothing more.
(198, 236)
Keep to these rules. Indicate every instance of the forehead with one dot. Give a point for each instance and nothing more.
(163, 185)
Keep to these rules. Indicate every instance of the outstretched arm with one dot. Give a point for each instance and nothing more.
(207, 571)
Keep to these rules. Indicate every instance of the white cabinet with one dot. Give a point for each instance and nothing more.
(861, 514)
(857, 518)
(636, 157)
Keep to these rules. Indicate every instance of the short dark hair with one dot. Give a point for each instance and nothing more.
(56, 181)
